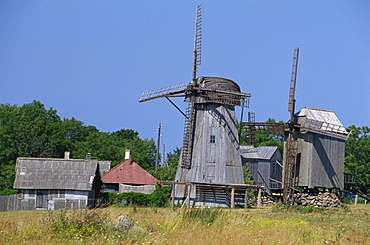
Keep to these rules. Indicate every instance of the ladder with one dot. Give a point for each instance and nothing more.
(187, 143)
(252, 129)
(290, 180)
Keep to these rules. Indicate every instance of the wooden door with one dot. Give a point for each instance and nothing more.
(42, 199)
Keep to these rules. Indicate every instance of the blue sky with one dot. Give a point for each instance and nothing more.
(92, 59)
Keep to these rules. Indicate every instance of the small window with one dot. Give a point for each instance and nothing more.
(212, 139)
(23, 171)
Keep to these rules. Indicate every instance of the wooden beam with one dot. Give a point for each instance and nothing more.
(246, 199)
(232, 197)
(173, 196)
(188, 197)
(259, 198)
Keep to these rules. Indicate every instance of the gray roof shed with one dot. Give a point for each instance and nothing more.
(55, 173)
(260, 152)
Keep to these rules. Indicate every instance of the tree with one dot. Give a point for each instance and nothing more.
(40, 132)
(33, 131)
(264, 139)
(357, 152)
(143, 152)
(167, 171)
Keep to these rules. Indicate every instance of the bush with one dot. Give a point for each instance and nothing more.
(158, 198)
(7, 192)
(77, 223)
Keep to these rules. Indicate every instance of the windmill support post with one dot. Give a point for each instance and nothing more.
(246, 198)
(259, 198)
(232, 204)
(195, 186)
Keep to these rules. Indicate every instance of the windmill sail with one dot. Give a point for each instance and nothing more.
(187, 144)
(163, 92)
(197, 42)
(293, 81)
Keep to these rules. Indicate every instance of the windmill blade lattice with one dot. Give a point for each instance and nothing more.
(163, 92)
(197, 41)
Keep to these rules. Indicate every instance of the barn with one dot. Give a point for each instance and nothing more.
(58, 183)
(264, 164)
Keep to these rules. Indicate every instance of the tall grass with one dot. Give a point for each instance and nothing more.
(206, 216)
(187, 226)
(77, 223)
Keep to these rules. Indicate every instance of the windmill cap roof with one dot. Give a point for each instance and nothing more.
(218, 83)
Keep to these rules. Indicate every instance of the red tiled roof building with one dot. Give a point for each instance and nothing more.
(127, 173)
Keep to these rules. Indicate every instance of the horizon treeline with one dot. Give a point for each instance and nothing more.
(31, 130)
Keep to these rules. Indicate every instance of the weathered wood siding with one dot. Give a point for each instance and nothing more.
(9, 203)
(215, 161)
(145, 189)
(263, 171)
(55, 199)
(263, 166)
(320, 161)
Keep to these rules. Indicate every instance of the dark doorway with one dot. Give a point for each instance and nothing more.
(42, 199)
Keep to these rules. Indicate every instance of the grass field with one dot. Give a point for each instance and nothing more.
(268, 225)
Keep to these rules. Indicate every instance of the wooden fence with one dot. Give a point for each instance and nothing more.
(9, 203)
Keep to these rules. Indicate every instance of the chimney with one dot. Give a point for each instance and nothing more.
(88, 156)
(127, 154)
(66, 154)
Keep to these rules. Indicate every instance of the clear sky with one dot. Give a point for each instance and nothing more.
(91, 60)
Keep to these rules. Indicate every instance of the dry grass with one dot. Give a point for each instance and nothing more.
(227, 226)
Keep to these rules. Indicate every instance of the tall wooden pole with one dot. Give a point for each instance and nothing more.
(158, 145)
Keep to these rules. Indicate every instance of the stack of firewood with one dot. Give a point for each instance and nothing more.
(320, 200)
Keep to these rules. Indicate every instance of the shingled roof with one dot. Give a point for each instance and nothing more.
(322, 122)
(55, 173)
(128, 172)
(260, 152)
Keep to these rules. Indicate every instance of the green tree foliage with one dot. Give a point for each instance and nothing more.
(159, 198)
(167, 171)
(27, 131)
(264, 139)
(33, 131)
(247, 176)
(357, 153)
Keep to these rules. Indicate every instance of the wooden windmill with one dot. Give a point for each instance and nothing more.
(210, 150)
(314, 145)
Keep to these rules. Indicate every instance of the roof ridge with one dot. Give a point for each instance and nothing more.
(121, 163)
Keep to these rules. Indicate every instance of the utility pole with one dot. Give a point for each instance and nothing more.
(158, 145)
(164, 154)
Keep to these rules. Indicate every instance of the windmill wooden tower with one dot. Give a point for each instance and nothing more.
(210, 150)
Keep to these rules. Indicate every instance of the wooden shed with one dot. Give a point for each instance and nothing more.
(320, 149)
(57, 183)
(265, 165)
(128, 176)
